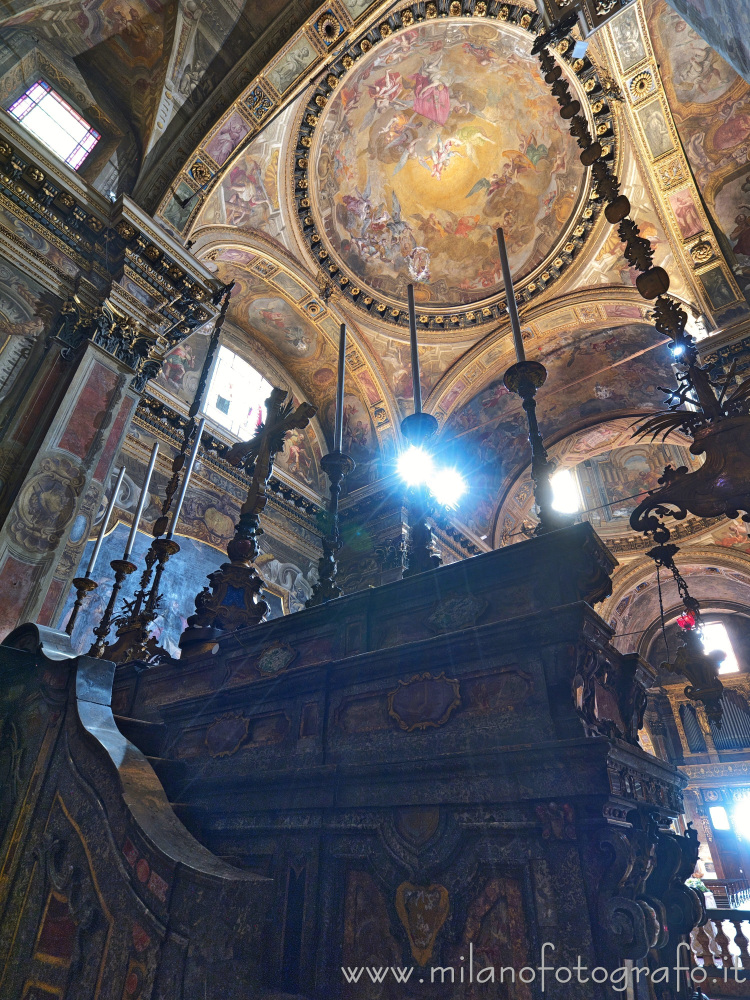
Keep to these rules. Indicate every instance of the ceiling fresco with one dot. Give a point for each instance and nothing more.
(415, 139)
(248, 195)
(711, 107)
(440, 135)
(592, 378)
(302, 339)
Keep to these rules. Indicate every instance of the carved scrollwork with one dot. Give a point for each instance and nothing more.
(609, 692)
(629, 925)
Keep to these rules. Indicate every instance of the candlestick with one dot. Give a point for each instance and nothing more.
(511, 297)
(186, 479)
(105, 522)
(416, 384)
(339, 431)
(141, 501)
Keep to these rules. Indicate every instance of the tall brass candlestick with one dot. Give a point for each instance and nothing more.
(336, 466)
(186, 479)
(418, 429)
(141, 501)
(416, 384)
(524, 378)
(84, 584)
(167, 547)
(511, 297)
(338, 434)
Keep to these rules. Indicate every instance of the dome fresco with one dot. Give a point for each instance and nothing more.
(437, 137)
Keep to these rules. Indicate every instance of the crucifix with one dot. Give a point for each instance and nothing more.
(232, 599)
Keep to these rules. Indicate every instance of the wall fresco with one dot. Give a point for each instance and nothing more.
(711, 18)
(710, 104)
(590, 378)
(248, 195)
(439, 136)
(181, 368)
(25, 312)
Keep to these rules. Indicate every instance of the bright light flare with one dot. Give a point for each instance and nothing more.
(741, 817)
(715, 637)
(565, 497)
(448, 486)
(415, 466)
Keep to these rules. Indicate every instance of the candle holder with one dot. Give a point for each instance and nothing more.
(84, 585)
(524, 378)
(133, 639)
(122, 568)
(337, 467)
(419, 429)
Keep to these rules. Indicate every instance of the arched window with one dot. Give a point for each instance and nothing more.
(693, 734)
(236, 395)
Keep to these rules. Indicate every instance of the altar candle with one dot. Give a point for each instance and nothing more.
(186, 480)
(105, 522)
(510, 296)
(416, 385)
(141, 502)
(339, 430)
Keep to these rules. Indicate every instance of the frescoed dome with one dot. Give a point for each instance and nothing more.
(439, 135)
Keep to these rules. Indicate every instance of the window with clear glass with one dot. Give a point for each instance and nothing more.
(719, 818)
(46, 115)
(236, 395)
(565, 495)
(715, 637)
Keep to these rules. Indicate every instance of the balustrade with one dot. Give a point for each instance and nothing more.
(723, 941)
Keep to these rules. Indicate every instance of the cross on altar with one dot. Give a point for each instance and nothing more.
(232, 600)
(259, 452)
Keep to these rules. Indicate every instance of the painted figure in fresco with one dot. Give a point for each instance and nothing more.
(656, 131)
(248, 203)
(295, 336)
(735, 129)
(140, 32)
(686, 214)
(177, 364)
(741, 233)
(298, 461)
(628, 39)
(385, 91)
(226, 140)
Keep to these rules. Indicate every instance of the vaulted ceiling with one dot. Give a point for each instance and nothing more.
(393, 158)
(323, 157)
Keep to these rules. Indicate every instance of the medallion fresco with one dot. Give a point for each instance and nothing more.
(439, 136)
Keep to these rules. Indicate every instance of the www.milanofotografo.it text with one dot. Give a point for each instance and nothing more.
(544, 974)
